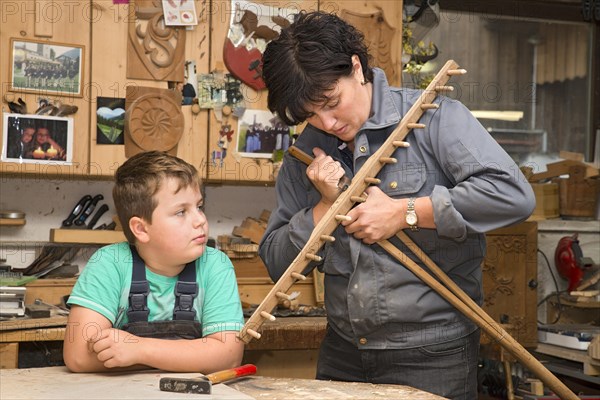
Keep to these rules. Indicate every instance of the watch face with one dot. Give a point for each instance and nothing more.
(411, 219)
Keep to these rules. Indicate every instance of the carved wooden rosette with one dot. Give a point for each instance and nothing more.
(153, 120)
(154, 51)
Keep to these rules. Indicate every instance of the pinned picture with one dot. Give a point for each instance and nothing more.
(261, 134)
(37, 139)
(251, 27)
(46, 68)
(110, 120)
(179, 12)
(219, 89)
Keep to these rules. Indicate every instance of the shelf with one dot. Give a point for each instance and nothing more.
(12, 222)
(86, 236)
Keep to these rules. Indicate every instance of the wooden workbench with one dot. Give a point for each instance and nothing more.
(58, 383)
(292, 342)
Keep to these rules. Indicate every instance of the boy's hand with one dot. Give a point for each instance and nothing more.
(116, 348)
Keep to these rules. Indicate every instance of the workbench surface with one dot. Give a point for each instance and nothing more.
(59, 383)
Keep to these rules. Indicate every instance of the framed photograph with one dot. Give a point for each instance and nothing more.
(110, 120)
(46, 68)
(37, 139)
(260, 134)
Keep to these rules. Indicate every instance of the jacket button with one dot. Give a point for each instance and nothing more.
(394, 185)
(362, 340)
(362, 149)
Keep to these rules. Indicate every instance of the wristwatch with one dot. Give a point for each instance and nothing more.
(411, 215)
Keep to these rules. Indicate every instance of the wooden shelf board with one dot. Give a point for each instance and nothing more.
(86, 236)
(12, 222)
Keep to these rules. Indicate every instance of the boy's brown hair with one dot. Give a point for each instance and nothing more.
(141, 177)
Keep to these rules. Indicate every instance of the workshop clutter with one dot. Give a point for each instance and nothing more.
(568, 188)
(243, 243)
(254, 282)
(81, 226)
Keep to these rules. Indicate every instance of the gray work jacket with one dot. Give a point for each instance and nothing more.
(371, 299)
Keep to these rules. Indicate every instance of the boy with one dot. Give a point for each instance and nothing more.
(122, 312)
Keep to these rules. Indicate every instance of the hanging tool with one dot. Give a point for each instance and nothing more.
(80, 221)
(78, 209)
(342, 184)
(103, 208)
(203, 385)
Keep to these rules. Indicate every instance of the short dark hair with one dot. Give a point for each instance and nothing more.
(307, 60)
(141, 177)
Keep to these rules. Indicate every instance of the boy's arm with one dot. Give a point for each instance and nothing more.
(215, 352)
(83, 326)
(92, 345)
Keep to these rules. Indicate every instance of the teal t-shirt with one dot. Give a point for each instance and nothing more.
(106, 279)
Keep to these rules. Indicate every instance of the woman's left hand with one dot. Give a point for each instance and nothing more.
(378, 218)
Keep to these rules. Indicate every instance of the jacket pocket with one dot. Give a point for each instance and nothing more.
(398, 180)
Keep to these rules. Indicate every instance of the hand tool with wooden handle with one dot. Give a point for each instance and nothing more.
(203, 385)
(342, 184)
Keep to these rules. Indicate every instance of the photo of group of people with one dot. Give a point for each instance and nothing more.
(261, 134)
(37, 139)
(48, 67)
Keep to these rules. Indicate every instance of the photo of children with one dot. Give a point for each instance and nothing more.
(37, 139)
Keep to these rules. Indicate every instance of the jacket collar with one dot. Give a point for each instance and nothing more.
(385, 109)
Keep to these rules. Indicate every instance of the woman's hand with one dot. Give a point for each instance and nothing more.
(324, 172)
(378, 218)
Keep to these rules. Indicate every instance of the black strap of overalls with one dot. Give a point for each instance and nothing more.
(186, 291)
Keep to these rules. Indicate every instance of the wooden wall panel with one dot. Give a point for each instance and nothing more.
(109, 43)
(509, 280)
(64, 22)
(391, 11)
(237, 169)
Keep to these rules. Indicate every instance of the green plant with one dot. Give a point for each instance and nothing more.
(417, 54)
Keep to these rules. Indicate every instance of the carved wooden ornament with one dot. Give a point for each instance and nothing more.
(378, 37)
(153, 120)
(154, 51)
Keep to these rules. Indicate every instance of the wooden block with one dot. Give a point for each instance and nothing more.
(251, 230)
(37, 311)
(318, 280)
(86, 236)
(244, 247)
(251, 268)
(9, 355)
(578, 195)
(594, 348)
(568, 155)
(546, 200)
(562, 168)
(236, 255)
(51, 291)
(12, 222)
(586, 293)
(265, 215)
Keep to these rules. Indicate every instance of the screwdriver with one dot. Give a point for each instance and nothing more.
(342, 184)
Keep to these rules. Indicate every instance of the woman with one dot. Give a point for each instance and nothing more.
(447, 189)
